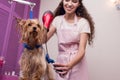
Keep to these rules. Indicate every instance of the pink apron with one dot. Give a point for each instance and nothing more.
(68, 44)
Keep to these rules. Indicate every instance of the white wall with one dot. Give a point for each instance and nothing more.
(104, 57)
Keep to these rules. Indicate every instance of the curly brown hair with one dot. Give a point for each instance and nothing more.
(81, 11)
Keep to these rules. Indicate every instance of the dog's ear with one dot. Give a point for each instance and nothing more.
(17, 19)
(20, 21)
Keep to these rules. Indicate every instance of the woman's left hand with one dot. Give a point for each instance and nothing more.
(61, 69)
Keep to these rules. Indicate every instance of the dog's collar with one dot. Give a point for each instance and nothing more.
(29, 48)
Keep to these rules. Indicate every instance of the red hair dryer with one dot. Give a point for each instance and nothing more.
(47, 19)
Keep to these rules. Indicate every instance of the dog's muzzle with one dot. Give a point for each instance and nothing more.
(34, 28)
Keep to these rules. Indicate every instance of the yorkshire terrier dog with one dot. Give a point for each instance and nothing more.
(33, 65)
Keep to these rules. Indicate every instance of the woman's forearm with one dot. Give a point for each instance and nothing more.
(77, 58)
(51, 32)
(81, 52)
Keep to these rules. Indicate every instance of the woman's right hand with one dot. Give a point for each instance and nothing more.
(61, 69)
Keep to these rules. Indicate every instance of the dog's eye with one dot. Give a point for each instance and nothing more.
(38, 25)
(29, 24)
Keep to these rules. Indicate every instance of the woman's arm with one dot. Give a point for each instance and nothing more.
(81, 51)
(64, 68)
(52, 30)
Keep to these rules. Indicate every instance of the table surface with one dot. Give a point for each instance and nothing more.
(8, 77)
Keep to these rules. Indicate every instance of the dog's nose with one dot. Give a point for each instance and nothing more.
(34, 28)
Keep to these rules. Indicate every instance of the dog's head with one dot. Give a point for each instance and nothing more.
(32, 32)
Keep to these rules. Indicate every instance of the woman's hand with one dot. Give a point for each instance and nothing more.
(61, 69)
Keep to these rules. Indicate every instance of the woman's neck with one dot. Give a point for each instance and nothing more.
(69, 17)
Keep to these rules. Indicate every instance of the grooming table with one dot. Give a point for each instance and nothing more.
(7, 77)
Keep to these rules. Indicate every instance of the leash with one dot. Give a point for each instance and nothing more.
(48, 59)
(31, 12)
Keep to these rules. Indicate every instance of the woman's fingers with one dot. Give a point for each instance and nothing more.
(62, 72)
(58, 65)
(61, 68)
